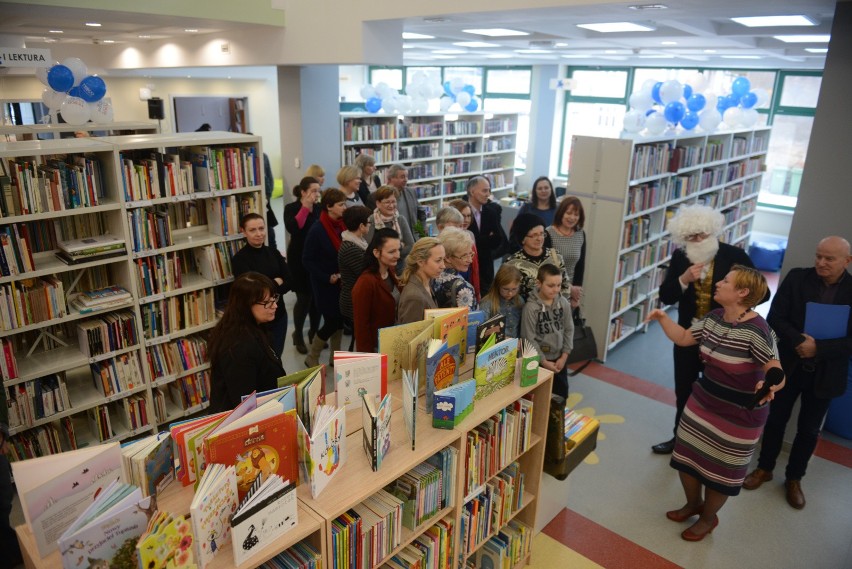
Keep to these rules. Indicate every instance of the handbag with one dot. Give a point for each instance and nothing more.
(585, 348)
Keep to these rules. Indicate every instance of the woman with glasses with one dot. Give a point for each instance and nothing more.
(449, 287)
(387, 215)
(259, 257)
(241, 357)
(528, 233)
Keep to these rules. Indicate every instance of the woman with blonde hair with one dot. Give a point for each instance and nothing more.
(316, 171)
(349, 180)
(424, 263)
(369, 181)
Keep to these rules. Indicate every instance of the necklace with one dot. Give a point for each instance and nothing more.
(740, 317)
(723, 337)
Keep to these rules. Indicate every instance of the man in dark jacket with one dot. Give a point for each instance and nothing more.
(487, 229)
(817, 369)
(690, 280)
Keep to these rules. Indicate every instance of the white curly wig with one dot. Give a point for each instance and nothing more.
(693, 219)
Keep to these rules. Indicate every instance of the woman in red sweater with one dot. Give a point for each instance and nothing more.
(376, 292)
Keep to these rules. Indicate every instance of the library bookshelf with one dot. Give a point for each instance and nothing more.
(441, 151)
(79, 376)
(12, 133)
(632, 188)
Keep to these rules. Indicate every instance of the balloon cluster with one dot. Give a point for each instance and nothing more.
(417, 95)
(659, 105)
(457, 92)
(78, 96)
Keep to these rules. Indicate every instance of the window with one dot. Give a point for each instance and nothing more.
(390, 75)
(510, 81)
(599, 83)
(800, 91)
(507, 90)
(470, 75)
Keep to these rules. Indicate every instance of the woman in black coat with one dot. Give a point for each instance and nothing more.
(369, 181)
(299, 216)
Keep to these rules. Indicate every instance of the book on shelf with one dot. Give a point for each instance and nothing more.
(91, 245)
(310, 385)
(474, 319)
(409, 404)
(302, 555)
(419, 491)
(55, 490)
(375, 423)
(530, 362)
(105, 534)
(264, 515)
(167, 542)
(453, 404)
(394, 342)
(417, 348)
(357, 374)
(450, 326)
(495, 325)
(149, 463)
(442, 367)
(323, 448)
(182, 433)
(494, 367)
(213, 504)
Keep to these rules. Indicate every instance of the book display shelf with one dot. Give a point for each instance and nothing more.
(114, 253)
(441, 151)
(635, 187)
(11, 133)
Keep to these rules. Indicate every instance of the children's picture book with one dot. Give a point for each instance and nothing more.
(55, 490)
(266, 513)
(214, 503)
(106, 533)
(323, 449)
(494, 366)
(394, 341)
(417, 349)
(495, 325)
(357, 374)
(442, 367)
(453, 404)
(310, 388)
(530, 361)
(168, 543)
(450, 326)
(185, 467)
(375, 420)
(149, 463)
(409, 404)
(474, 319)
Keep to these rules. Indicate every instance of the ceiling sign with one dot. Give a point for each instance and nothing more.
(24, 57)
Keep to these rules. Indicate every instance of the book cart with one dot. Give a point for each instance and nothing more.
(632, 187)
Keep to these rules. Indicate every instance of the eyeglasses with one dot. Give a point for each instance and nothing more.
(271, 303)
(465, 257)
(509, 290)
(536, 235)
(695, 237)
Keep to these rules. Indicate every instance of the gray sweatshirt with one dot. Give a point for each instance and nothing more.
(549, 328)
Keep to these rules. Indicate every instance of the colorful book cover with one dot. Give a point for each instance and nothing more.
(357, 374)
(214, 503)
(450, 326)
(310, 388)
(409, 404)
(442, 368)
(263, 517)
(394, 341)
(375, 420)
(169, 544)
(323, 450)
(494, 367)
(453, 404)
(474, 319)
(495, 325)
(418, 347)
(530, 361)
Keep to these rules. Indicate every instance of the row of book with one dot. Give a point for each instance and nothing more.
(302, 555)
(43, 440)
(636, 231)
(497, 144)
(29, 302)
(415, 129)
(177, 313)
(117, 375)
(648, 195)
(458, 166)
(176, 356)
(492, 163)
(628, 322)
(101, 299)
(383, 153)
(686, 185)
(224, 213)
(16, 256)
(427, 190)
(511, 545)
(650, 160)
(8, 362)
(464, 147)
(32, 186)
(491, 508)
(355, 131)
(455, 128)
(430, 550)
(35, 400)
(225, 168)
(149, 228)
(190, 391)
(685, 157)
(498, 125)
(107, 333)
(422, 150)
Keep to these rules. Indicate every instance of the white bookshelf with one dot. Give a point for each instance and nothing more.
(12, 133)
(630, 188)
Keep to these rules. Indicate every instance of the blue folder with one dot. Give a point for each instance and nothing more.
(826, 321)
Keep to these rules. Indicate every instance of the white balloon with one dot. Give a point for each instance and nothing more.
(77, 67)
(710, 99)
(101, 112)
(697, 81)
(634, 120)
(52, 99)
(709, 118)
(74, 110)
(748, 117)
(463, 99)
(733, 117)
(389, 105)
(641, 100)
(368, 92)
(403, 104)
(419, 78)
(456, 85)
(419, 105)
(41, 74)
(436, 90)
(671, 91)
(762, 98)
(648, 85)
(655, 123)
(446, 103)
(383, 90)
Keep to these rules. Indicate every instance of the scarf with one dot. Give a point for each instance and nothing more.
(352, 238)
(392, 222)
(333, 228)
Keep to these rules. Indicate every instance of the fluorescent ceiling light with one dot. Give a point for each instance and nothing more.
(648, 7)
(475, 44)
(804, 38)
(443, 57)
(190, 30)
(561, 45)
(659, 56)
(817, 49)
(499, 56)
(413, 36)
(668, 43)
(495, 32)
(609, 27)
(108, 41)
(93, 24)
(532, 51)
(768, 21)
(448, 51)
(741, 57)
(55, 32)
(709, 51)
(143, 36)
(576, 56)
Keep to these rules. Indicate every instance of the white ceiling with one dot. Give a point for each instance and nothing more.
(701, 30)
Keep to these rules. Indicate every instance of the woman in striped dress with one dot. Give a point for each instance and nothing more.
(718, 432)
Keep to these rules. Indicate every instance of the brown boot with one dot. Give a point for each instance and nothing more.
(795, 497)
(757, 477)
(314, 353)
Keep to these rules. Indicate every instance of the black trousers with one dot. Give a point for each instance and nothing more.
(812, 412)
(687, 368)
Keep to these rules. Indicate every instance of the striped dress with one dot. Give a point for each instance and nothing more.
(716, 435)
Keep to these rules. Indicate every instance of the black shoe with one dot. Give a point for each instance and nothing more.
(664, 448)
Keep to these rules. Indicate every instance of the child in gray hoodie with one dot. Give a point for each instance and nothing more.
(547, 323)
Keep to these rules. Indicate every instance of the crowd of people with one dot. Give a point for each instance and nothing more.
(357, 263)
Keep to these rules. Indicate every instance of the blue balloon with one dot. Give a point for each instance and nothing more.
(650, 112)
(674, 112)
(469, 89)
(472, 106)
(689, 120)
(696, 102)
(92, 89)
(687, 91)
(722, 104)
(448, 90)
(741, 86)
(75, 92)
(60, 78)
(748, 100)
(655, 92)
(733, 99)
(373, 104)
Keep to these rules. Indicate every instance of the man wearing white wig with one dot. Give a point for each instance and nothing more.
(696, 266)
